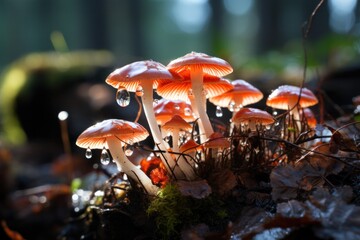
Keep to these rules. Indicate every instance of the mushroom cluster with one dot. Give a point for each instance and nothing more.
(183, 133)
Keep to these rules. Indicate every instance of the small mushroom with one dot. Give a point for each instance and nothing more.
(286, 97)
(142, 77)
(243, 94)
(174, 126)
(189, 150)
(180, 89)
(113, 134)
(252, 116)
(165, 109)
(196, 64)
(217, 143)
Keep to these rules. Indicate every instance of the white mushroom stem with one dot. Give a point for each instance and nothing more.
(126, 166)
(295, 112)
(175, 140)
(186, 167)
(199, 103)
(183, 164)
(203, 137)
(147, 102)
(252, 125)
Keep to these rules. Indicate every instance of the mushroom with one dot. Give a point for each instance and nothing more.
(189, 149)
(286, 97)
(179, 90)
(174, 126)
(252, 116)
(243, 94)
(114, 134)
(142, 77)
(216, 142)
(165, 109)
(196, 64)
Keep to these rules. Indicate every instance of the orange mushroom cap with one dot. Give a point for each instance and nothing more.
(179, 90)
(217, 140)
(211, 65)
(190, 146)
(176, 122)
(254, 115)
(129, 76)
(243, 94)
(95, 136)
(165, 109)
(284, 95)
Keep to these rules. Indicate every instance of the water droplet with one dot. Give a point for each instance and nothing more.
(218, 112)
(177, 107)
(105, 157)
(125, 177)
(277, 123)
(268, 127)
(231, 106)
(187, 111)
(139, 91)
(275, 113)
(88, 153)
(122, 97)
(129, 150)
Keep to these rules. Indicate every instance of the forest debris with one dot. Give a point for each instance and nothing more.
(196, 189)
(222, 181)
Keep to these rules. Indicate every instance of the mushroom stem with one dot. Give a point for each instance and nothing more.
(147, 101)
(126, 166)
(252, 125)
(295, 112)
(175, 140)
(181, 161)
(199, 103)
(186, 167)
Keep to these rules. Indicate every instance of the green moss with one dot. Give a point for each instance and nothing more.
(172, 212)
(169, 209)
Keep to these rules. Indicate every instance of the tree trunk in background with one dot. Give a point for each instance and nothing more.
(136, 27)
(217, 42)
(282, 21)
(96, 28)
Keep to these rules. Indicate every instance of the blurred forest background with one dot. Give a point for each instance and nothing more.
(260, 39)
(163, 30)
(55, 56)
